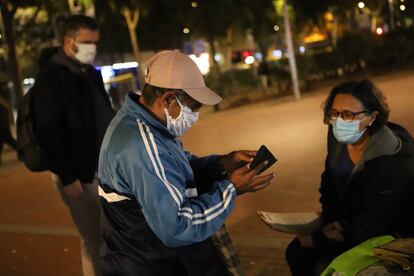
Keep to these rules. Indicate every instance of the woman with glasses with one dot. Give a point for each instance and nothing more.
(367, 186)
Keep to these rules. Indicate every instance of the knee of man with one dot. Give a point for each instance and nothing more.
(293, 250)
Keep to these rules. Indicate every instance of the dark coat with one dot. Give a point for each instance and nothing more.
(65, 117)
(378, 198)
(4, 115)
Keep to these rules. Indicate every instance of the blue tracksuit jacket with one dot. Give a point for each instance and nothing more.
(145, 169)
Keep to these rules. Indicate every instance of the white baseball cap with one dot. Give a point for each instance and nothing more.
(175, 70)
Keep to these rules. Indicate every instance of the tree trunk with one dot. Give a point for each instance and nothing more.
(132, 22)
(262, 48)
(229, 46)
(13, 63)
(373, 23)
(213, 52)
(374, 17)
(291, 52)
(229, 59)
(335, 31)
(216, 71)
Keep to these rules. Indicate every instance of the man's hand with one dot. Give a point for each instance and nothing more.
(333, 231)
(237, 159)
(74, 190)
(246, 180)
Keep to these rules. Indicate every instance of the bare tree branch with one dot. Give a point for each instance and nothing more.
(127, 15)
(136, 17)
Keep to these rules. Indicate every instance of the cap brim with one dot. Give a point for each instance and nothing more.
(203, 95)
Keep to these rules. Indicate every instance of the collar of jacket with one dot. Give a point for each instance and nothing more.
(61, 58)
(132, 107)
(383, 142)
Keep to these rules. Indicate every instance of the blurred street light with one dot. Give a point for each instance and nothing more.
(29, 81)
(194, 4)
(276, 28)
(218, 57)
(125, 65)
(402, 7)
(361, 5)
(379, 31)
(277, 54)
(186, 30)
(259, 56)
(249, 60)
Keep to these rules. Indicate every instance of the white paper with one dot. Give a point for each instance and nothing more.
(294, 222)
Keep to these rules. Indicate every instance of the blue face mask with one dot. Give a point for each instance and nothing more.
(347, 132)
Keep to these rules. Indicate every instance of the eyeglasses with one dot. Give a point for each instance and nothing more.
(345, 115)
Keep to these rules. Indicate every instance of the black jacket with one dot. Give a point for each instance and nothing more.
(64, 110)
(378, 198)
(4, 115)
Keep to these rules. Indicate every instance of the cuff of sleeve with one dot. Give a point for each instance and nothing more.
(235, 190)
(219, 167)
(230, 186)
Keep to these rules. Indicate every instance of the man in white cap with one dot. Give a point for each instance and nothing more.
(161, 205)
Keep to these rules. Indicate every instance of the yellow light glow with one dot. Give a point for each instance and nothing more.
(186, 30)
(361, 5)
(328, 16)
(194, 4)
(315, 36)
(276, 28)
(402, 7)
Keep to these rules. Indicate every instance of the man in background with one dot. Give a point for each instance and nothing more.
(72, 112)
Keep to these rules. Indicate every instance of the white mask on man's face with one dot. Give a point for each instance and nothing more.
(183, 122)
(86, 52)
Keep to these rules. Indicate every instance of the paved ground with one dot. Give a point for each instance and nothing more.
(38, 238)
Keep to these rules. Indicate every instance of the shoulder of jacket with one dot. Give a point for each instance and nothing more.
(53, 71)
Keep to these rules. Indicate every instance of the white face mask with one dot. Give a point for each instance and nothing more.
(86, 52)
(183, 122)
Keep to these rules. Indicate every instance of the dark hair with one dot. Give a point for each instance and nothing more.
(370, 97)
(151, 93)
(74, 23)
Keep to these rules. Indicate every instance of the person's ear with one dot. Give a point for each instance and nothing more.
(69, 43)
(68, 40)
(168, 99)
(374, 116)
